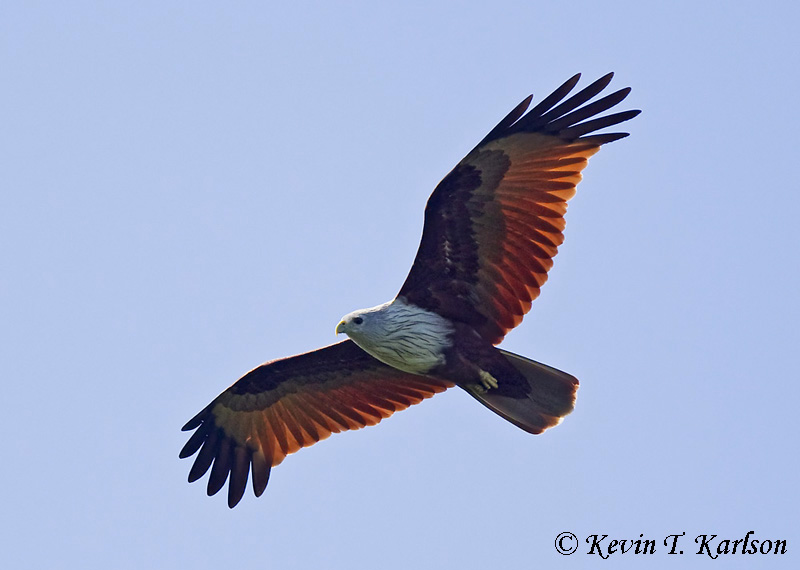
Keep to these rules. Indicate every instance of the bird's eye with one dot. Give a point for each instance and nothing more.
(358, 320)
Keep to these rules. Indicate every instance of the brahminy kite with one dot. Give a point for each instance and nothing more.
(492, 227)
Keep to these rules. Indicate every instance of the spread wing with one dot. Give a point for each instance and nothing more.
(285, 405)
(494, 223)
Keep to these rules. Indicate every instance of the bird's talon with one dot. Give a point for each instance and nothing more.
(487, 381)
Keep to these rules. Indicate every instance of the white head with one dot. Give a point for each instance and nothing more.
(364, 325)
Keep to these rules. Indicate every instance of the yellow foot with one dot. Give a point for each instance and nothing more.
(487, 380)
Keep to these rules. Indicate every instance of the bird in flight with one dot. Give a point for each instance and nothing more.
(492, 227)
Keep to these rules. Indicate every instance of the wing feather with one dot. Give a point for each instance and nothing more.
(285, 405)
(261, 471)
(494, 224)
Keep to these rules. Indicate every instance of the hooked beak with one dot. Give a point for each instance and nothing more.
(340, 328)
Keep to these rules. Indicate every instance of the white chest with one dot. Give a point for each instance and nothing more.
(405, 337)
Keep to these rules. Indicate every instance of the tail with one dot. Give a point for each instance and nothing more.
(535, 402)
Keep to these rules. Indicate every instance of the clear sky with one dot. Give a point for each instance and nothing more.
(190, 189)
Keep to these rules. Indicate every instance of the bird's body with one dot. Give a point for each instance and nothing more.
(401, 335)
(492, 228)
(418, 341)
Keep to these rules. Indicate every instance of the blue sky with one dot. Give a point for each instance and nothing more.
(191, 189)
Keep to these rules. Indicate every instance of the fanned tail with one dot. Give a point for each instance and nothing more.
(537, 404)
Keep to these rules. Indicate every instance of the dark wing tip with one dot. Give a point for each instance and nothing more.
(509, 119)
(562, 91)
(192, 423)
(195, 442)
(198, 419)
(573, 131)
(573, 81)
(228, 461)
(568, 119)
(221, 467)
(240, 469)
(605, 138)
(261, 471)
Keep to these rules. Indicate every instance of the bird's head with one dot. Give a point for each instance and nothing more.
(363, 324)
(351, 323)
